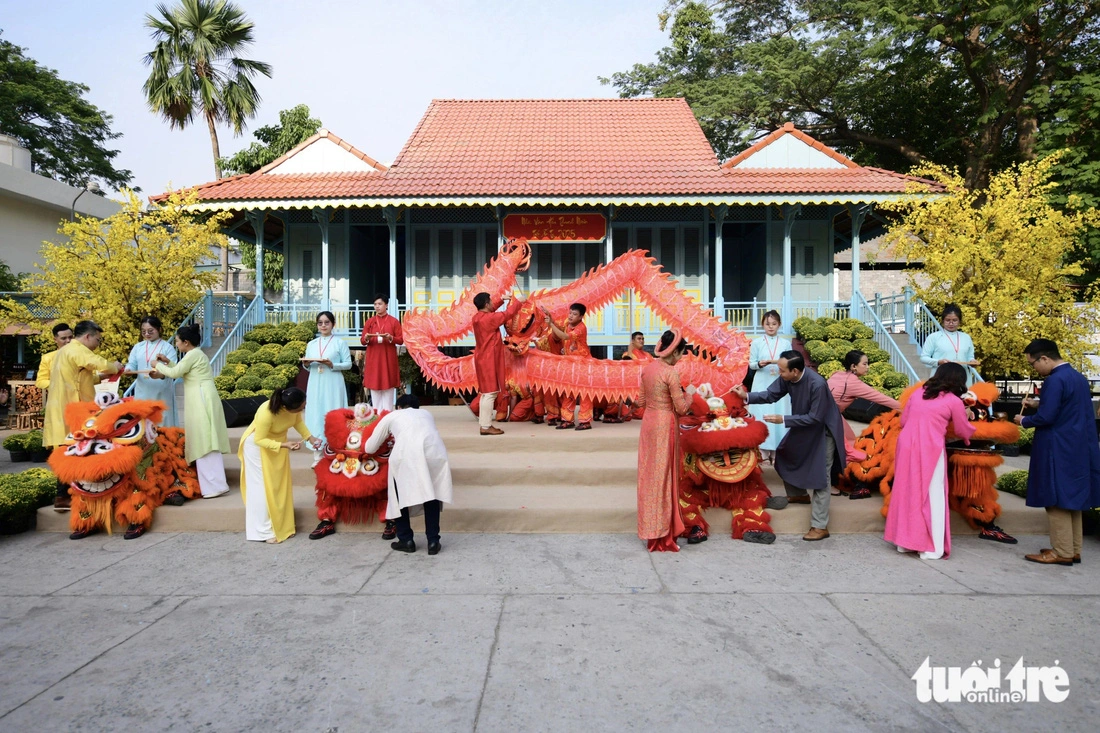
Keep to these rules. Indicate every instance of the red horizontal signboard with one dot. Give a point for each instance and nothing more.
(554, 227)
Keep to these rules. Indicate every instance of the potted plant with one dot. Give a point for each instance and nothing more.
(32, 443)
(21, 494)
(17, 447)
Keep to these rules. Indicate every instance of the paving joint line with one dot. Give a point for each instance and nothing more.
(489, 663)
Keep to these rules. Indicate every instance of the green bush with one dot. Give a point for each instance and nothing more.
(862, 331)
(812, 332)
(15, 442)
(826, 321)
(287, 357)
(826, 370)
(838, 331)
(1027, 436)
(238, 357)
(247, 383)
(273, 381)
(865, 344)
(1013, 482)
(234, 370)
(238, 393)
(801, 322)
(260, 370)
(32, 441)
(894, 392)
(224, 382)
(301, 333)
(895, 379)
(264, 333)
(875, 380)
(248, 346)
(296, 346)
(265, 393)
(876, 355)
(266, 353)
(225, 394)
(840, 347)
(22, 493)
(881, 367)
(289, 371)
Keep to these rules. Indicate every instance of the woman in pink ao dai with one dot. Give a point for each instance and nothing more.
(917, 520)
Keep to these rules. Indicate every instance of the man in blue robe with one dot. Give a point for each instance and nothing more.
(1064, 475)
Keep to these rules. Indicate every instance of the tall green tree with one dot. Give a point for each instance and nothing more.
(197, 67)
(295, 126)
(67, 135)
(890, 82)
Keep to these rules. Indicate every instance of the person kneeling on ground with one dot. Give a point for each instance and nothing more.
(420, 473)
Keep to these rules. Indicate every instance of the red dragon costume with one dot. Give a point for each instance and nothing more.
(719, 441)
(351, 485)
(119, 465)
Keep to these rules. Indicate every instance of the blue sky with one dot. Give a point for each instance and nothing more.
(367, 69)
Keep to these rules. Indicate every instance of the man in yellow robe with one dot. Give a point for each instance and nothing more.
(62, 335)
(73, 376)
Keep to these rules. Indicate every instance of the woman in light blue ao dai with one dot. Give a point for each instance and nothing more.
(950, 345)
(327, 357)
(764, 362)
(143, 358)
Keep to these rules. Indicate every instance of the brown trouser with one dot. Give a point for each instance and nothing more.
(1065, 531)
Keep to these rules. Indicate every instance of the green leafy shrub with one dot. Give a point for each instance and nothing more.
(862, 331)
(15, 442)
(247, 383)
(238, 357)
(881, 367)
(826, 370)
(876, 355)
(225, 394)
(264, 333)
(287, 357)
(801, 322)
(289, 371)
(825, 321)
(265, 393)
(894, 392)
(248, 346)
(1013, 482)
(811, 332)
(267, 353)
(875, 380)
(22, 493)
(865, 344)
(260, 370)
(238, 393)
(838, 331)
(301, 333)
(840, 347)
(1027, 436)
(296, 346)
(32, 441)
(234, 370)
(273, 381)
(224, 382)
(895, 379)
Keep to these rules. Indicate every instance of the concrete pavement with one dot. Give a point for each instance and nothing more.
(204, 631)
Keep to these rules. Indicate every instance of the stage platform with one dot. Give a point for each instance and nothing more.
(537, 479)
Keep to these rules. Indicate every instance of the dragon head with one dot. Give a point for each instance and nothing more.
(518, 253)
(523, 328)
(107, 443)
(345, 469)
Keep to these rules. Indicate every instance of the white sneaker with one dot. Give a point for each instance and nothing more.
(215, 496)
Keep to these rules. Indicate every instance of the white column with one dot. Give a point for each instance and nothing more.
(790, 211)
(321, 215)
(256, 219)
(719, 262)
(858, 214)
(391, 222)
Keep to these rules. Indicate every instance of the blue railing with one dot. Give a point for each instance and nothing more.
(251, 317)
(864, 312)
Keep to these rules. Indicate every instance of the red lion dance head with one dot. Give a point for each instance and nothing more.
(351, 484)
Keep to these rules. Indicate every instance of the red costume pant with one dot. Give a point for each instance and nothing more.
(569, 404)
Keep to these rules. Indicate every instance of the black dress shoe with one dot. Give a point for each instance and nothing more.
(434, 548)
(390, 530)
(175, 499)
(408, 546)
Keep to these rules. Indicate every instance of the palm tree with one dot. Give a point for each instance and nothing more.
(196, 67)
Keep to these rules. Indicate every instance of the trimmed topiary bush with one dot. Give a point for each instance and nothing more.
(875, 380)
(812, 332)
(840, 348)
(298, 347)
(238, 357)
(1027, 436)
(267, 353)
(260, 370)
(301, 333)
(826, 370)
(895, 379)
(838, 331)
(247, 383)
(1013, 482)
(801, 322)
(862, 331)
(894, 392)
(239, 393)
(825, 321)
(234, 370)
(876, 355)
(273, 381)
(865, 344)
(287, 357)
(289, 371)
(225, 394)
(248, 346)
(225, 382)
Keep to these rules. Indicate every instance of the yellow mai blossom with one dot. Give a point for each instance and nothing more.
(117, 270)
(1006, 257)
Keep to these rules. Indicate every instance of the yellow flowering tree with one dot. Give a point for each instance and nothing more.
(1006, 257)
(117, 270)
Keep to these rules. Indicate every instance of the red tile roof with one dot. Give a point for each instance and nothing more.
(558, 148)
